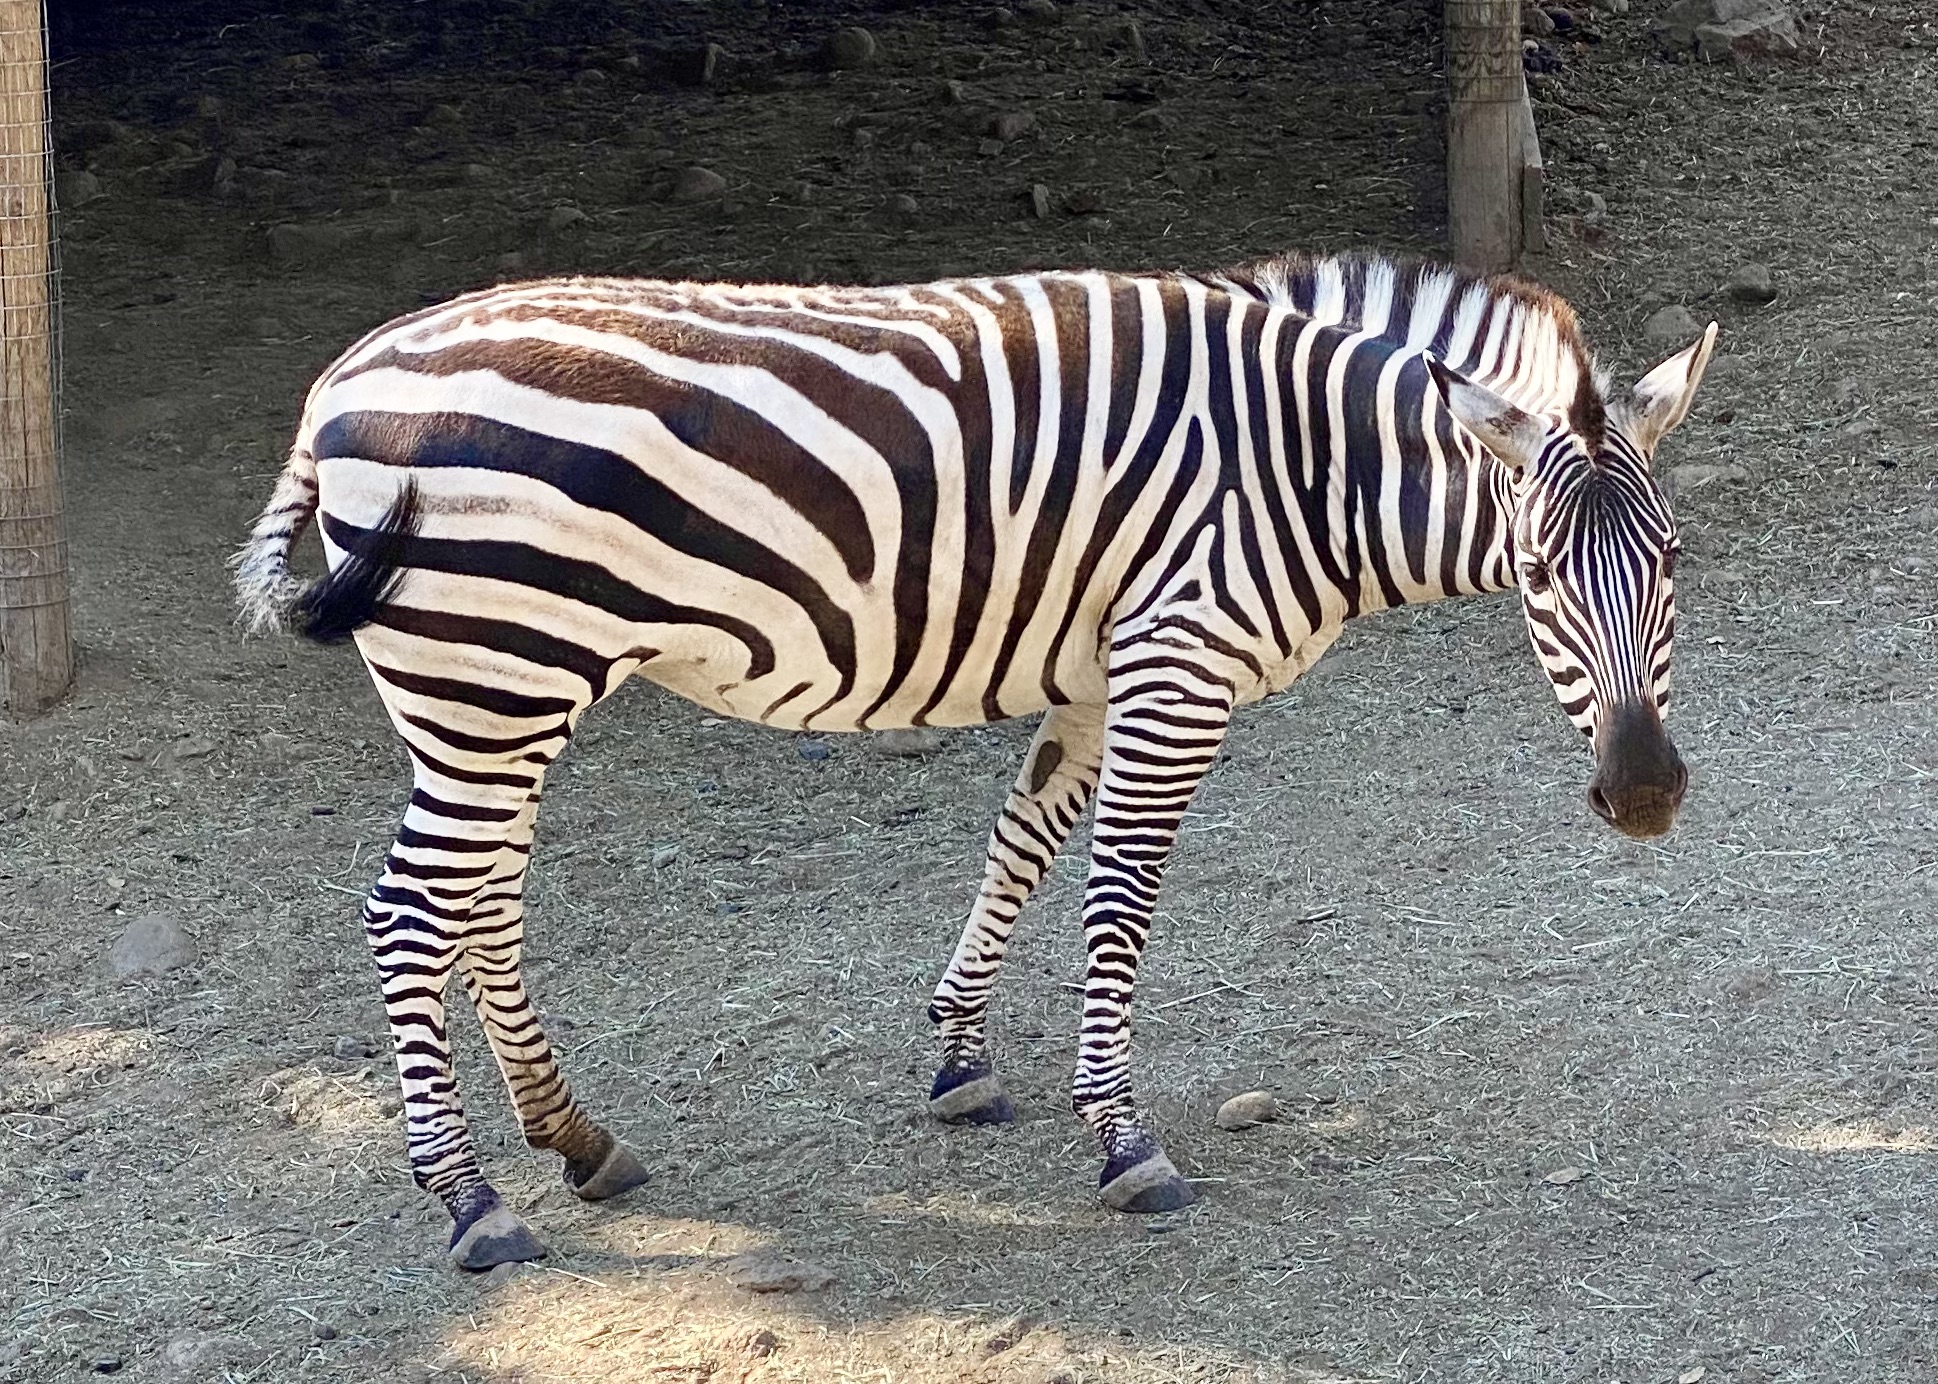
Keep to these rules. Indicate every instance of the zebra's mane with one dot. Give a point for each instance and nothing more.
(1421, 305)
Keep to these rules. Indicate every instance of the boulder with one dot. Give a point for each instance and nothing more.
(1719, 29)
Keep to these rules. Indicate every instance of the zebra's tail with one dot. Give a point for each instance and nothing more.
(266, 590)
(271, 597)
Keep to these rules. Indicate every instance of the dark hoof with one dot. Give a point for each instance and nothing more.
(970, 1096)
(496, 1237)
(620, 1172)
(1145, 1187)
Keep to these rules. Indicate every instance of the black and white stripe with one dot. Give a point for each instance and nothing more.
(1130, 501)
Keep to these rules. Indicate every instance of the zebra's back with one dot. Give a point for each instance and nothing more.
(845, 508)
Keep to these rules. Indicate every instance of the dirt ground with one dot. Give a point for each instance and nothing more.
(1557, 1106)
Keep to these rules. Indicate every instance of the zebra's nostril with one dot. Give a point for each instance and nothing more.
(1598, 800)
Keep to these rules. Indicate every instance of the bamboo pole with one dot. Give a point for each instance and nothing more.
(36, 651)
(1484, 144)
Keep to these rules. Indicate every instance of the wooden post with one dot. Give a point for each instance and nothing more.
(36, 652)
(1484, 147)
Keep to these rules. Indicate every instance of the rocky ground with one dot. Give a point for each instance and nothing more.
(1550, 1106)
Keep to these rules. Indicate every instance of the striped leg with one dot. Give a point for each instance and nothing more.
(1170, 705)
(597, 1166)
(416, 920)
(1051, 791)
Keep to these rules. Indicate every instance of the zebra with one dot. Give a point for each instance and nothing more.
(1130, 502)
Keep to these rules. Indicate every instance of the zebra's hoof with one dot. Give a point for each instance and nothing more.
(970, 1096)
(619, 1172)
(496, 1237)
(1145, 1186)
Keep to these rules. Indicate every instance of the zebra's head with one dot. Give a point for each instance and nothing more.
(1593, 546)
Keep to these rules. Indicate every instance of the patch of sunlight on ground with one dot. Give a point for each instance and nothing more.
(56, 1066)
(958, 1208)
(1859, 1136)
(691, 1323)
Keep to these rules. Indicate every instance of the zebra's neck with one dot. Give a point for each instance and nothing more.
(1453, 502)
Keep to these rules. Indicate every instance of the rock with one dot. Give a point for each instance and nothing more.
(1011, 124)
(75, 188)
(1695, 474)
(697, 184)
(1040, 202)
(1673, 325)
(815, 750)
(1719, 29)
(504, 1273)
(1244, 1111)
(560, 219)
(763, 1344)
(476, 173)
(1131, 34)
(707, 67)
(918, 741)
(445, 117)
(1535, 21)
(1594, 208)
(851, 48)
(291, 244)
(1751, 283)
(1084, 201)
(324, 1331)
(195, 1357)
(768, 1271)
(105, 1364)
(350, 1048)
(665, 856)
(1039, 12)
(150, 945)
(1564, 1177)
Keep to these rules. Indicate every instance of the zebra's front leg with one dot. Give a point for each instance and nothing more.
(1051, 790)
(1170, 706)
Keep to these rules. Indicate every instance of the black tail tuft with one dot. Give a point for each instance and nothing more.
(349, 598)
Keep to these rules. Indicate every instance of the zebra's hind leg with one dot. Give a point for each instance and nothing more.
(1051, 790)
(597, 1166)
(415, 921)
(1170, 705)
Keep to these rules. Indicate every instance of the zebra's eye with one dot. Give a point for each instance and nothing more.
(1534, 578)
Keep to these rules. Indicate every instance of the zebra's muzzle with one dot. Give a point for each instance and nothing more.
(1639, 778)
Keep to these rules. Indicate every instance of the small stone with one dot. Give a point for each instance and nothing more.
(1693, 1375)
(1244, 1111)
(1564, 1177)
(955, 93)
(152, 944)
(105, 1364)
(1011, 125)
(697, 184)
(323, 1331)
(1039, 12)
(1751, 283)
(707, 69)
(918, 740)
(75, 188)
(444, 117)
(989, 146)
(504, 1273)
(1695, 474)
(476, 173)
(1594, 208)
(1132, 35)
(763, 1344)
(1729, 29)
(1672, 325)
(350, 1048)
(814, 750)
(560, 219)
(767, 1271)
(665, 856)
(1040, 202)
(851, 48)
(1000, 18)
(1084, 201)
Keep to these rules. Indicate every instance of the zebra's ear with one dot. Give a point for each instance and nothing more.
(1514, 437)
(1661, 398)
